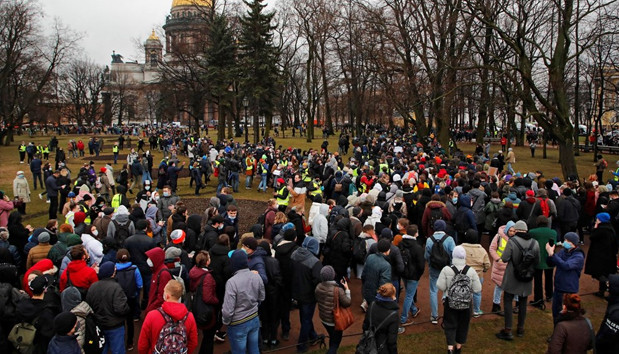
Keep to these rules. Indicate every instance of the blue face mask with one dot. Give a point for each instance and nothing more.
(454, 200)
(567, 245)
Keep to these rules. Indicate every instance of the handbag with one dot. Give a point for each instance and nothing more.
(342, 316)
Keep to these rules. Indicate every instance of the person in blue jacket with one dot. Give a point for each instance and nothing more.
(569, 263)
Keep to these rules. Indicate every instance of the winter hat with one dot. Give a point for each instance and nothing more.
(603, 217)
(312, 245)
(521, 226)
(386, 233)
(383, 245)
(530, 193)
(214, 202)
(440, 225)
(64, 323)
(287, 226)
(399, 194)
(508, 226)
(327, 273)
(238, 260)
(108, 211)
(106, 270)
(572, 237)
(71, 195)
(281, 181)
(459, 253)
(73, 240)
(44, 237)
(38, 285)
(79, 217)
(173, 253)
(177, 236)
(397, 178)
(70, 297)
(103, 169)
(251, 243)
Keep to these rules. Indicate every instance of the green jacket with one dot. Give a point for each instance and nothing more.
(376, 272)
(542, 235)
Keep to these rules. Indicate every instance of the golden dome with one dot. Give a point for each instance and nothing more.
(153, 36)
(176, 3)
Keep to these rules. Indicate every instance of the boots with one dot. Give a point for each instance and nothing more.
(505, 334)
(496, 308)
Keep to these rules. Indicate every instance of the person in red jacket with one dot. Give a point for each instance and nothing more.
(82, 276)
(154, 320)
(160, 278)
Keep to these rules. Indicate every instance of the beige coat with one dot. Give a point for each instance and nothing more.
(477, 258)
(511, 157)
(21, 189)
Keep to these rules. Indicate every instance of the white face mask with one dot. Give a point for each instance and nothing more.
(149, 262)
(95, 232)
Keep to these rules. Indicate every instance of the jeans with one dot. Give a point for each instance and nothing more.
(306, 315)
(409, 303)
(114, 340)
(115, 158)
(263, 183)
(434, 292)
(220, 185)
(244, 337)
(497, 295)
(335, 338)
(477, 299)
(146, 176)
(35, 177)
(557, 305)
(234, 181)
(146, 279)
(396, 285)
(509, 168)
(248, 181)
(509, 315)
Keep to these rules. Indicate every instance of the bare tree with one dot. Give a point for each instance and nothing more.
(81, 85)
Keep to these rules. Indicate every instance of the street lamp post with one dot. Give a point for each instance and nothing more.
(245, 104)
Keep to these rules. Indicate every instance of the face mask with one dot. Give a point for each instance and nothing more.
(231, 217)
(221, 226)
(454, 200)
(567, 245)
(147, 188)
(20, 176)
(166, 194)
(95, 233)
(276, 206)
(149, 262)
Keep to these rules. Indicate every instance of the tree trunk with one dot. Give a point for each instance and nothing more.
(566, 158)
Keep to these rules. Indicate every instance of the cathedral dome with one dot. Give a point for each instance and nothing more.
(176, 3)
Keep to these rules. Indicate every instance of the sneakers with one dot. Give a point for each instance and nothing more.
(401, 330)
(40, 196)
(434, 320)
(416, 313)
(520, 332)
(220, 336)
(476, 314)
(408, 322)
(364, 306)
(505, 334)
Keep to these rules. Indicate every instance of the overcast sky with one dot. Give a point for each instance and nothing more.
(108, 25)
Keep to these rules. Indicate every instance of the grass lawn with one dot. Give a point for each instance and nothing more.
(419, 339)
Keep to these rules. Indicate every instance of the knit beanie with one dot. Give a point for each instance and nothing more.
(238, 260)
(327, 273)
(64, 323)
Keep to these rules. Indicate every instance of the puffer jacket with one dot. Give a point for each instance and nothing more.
(498, 268)
(325, 296)
(320, 226)
(109, 303)
(81, 311)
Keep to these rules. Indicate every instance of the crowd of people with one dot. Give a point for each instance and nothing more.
(127, 248)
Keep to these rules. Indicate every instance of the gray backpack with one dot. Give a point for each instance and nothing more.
(460, 292)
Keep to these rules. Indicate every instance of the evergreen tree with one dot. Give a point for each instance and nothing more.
(258, 63)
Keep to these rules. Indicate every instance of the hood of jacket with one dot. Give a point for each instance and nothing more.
(258, 253)
(76, 266)
(302, 255)
(377, 212)
(137, 213)
(122, 210)
(194, 222)
(219, 250)
(70, 298)
(157, 255)
(176, 310)
(285, 247)
(151, 212)
(73, 240)
(464, 200)
(435, 204)
(323, 209)
(343, 224)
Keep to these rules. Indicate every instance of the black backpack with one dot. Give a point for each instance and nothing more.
(126, 278)
(367, 343)
(409, 263)
(93, 336)
(435, 215)
(122, 232)
(439, 258)
(524, 268)
(360, 249)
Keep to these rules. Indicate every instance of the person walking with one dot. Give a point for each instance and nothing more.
(384, 310)
(35, 168)
(476, 258)
(376, 272)
(439, 248)
(52, 193)
(511, 159)
(457, 316)
(414, 264)
(518, 277)
(21, 192)
(326, 292)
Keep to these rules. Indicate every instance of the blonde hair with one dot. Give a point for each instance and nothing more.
(387, 290)
(175, 289)
(280, 218)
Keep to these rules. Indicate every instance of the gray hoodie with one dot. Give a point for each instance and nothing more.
(244, 292)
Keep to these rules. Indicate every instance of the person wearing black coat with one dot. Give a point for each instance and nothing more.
(607, 339)
(283, 253)
(602, 255)
(414, 266)
(220, 269)
(211, 233)
(384, 308)
(297, 221)
(339, 245)
(137, 245)
(269, 308)
(18, 234)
